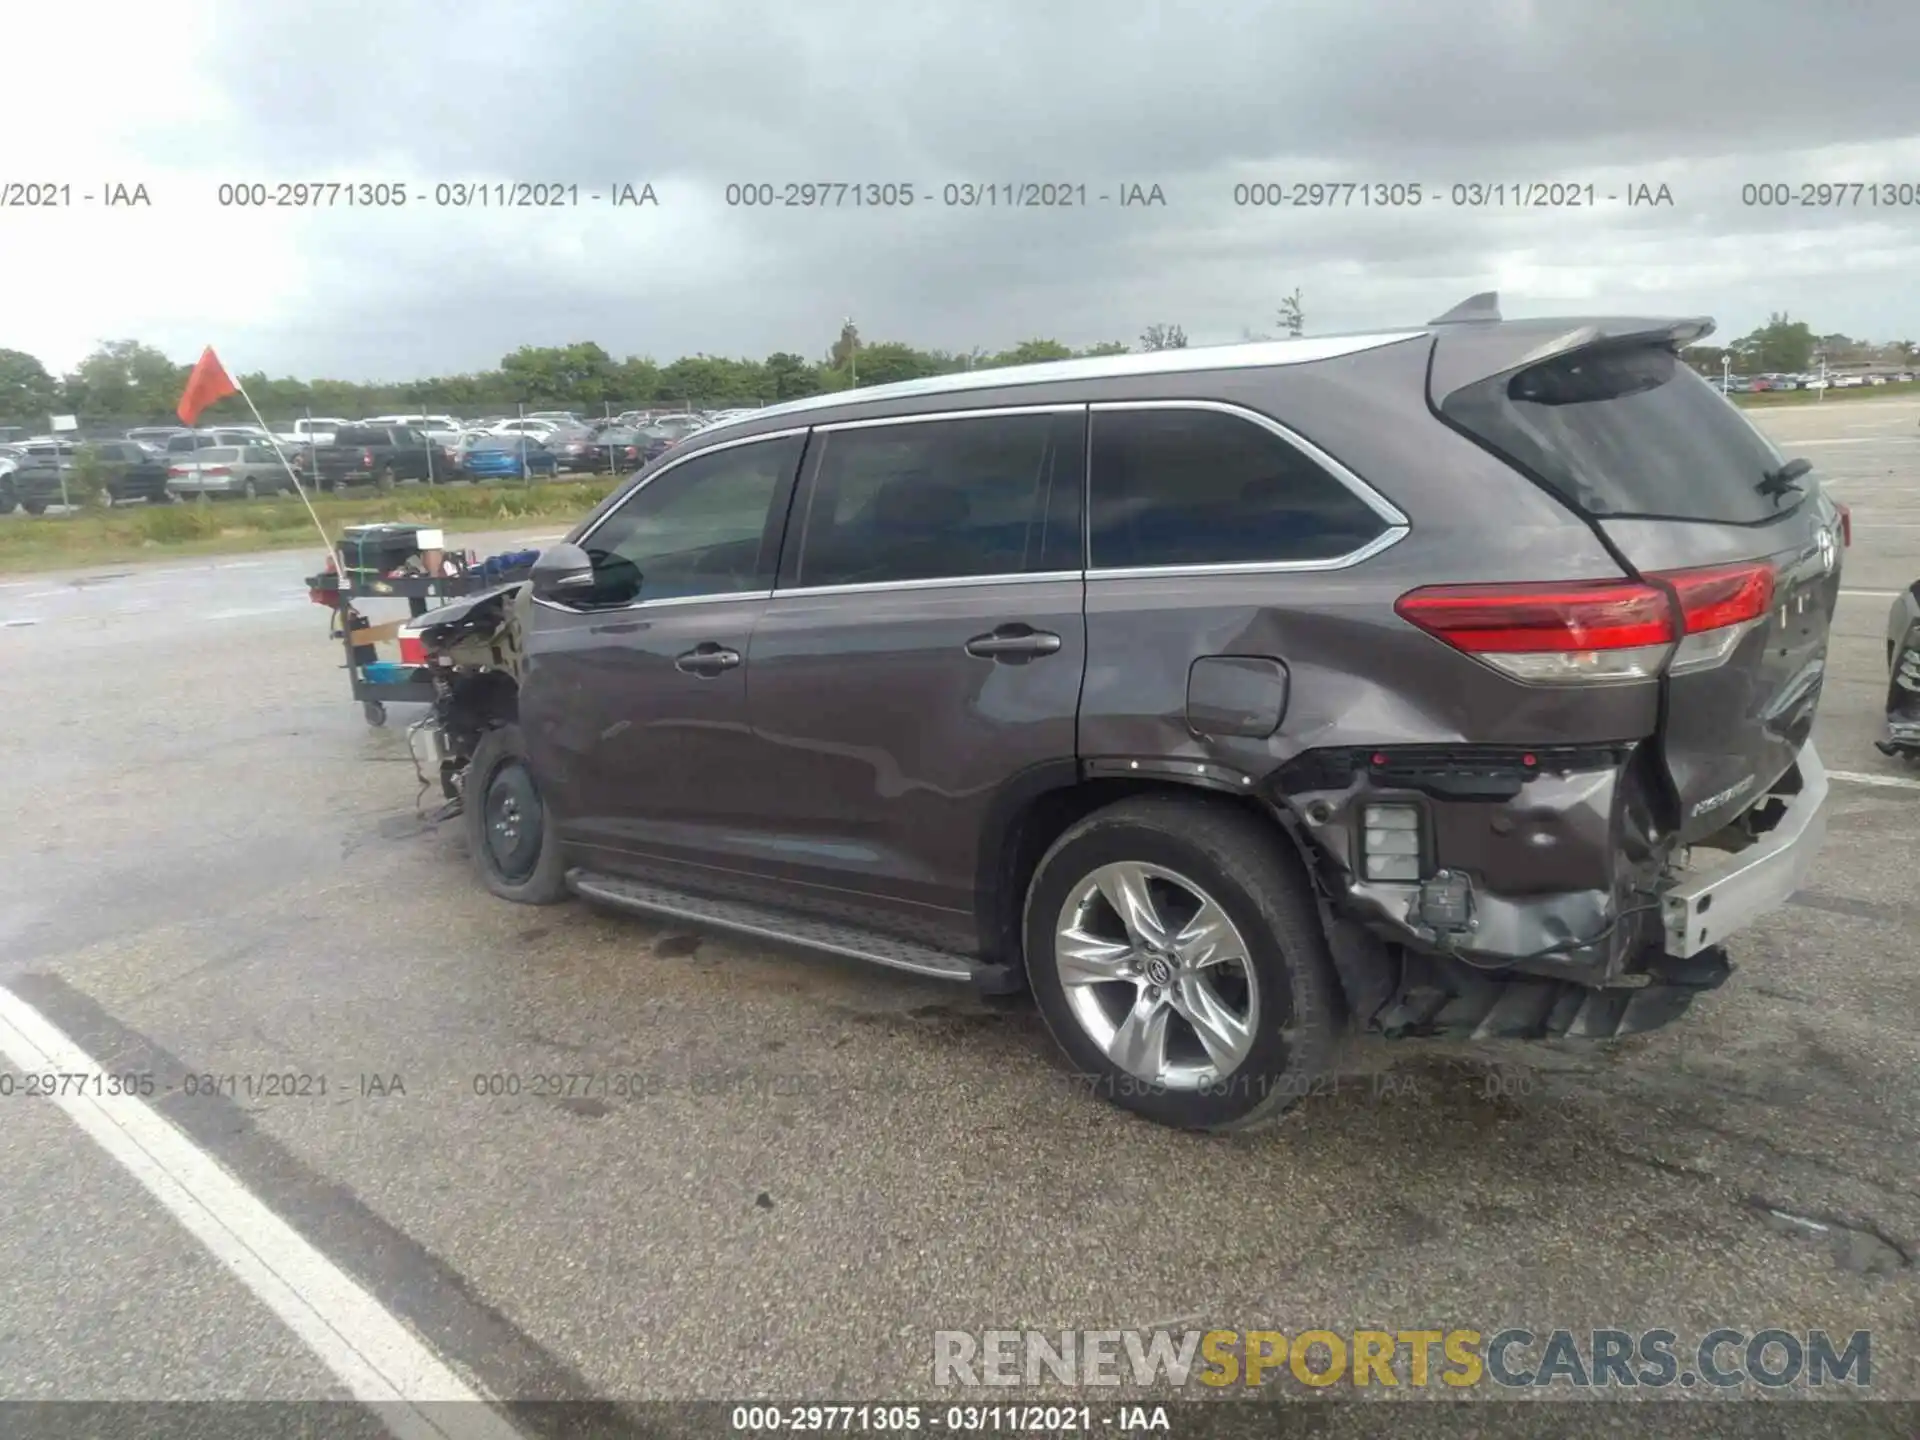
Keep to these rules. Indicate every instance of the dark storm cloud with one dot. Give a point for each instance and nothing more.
(695, 96)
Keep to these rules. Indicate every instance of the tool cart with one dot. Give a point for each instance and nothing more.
(398, 562)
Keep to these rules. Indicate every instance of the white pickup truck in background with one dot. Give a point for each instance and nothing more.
(315, 430)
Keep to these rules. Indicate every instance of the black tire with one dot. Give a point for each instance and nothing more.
(249, 490)
(384, 480)
(375, 711)
(7, 503)
(162, 497)
(1249, 869)
(34, 507)
(513, 864)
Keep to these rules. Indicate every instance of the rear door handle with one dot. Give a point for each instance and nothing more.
(1013, 642)
(707, 659)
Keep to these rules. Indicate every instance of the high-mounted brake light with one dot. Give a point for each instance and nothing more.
(1597, 630)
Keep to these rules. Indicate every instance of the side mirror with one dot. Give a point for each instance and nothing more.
(563, 574)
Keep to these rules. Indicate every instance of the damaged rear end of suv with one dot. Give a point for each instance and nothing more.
(1626, 777)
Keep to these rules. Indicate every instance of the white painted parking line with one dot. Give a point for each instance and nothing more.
(1872, 594)
(1861, 777)
(366, 1347)
(1852, 440)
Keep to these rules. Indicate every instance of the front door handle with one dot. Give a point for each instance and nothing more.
(1013, 642)
(707, 659)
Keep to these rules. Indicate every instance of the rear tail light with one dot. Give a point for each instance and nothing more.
(216, 470)
(173, 470)
(413, 650)
(1579, 631)
(1846, 524)
(1597, 630)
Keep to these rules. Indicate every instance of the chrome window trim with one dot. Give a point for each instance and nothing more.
(941, 582)
(661, 603)
(866, 587)
(1397, 523)
(1057, 407)
(676, 463)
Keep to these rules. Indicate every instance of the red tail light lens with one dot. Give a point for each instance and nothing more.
(176, 470)
(366, 458)
(216, 470)
(413, 650)
(1598, 630)
(1721, 595)
(1846, 523)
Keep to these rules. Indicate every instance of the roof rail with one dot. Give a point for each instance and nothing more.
(1482, 307)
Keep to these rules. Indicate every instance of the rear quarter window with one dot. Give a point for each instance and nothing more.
(1186, 486)
(1626, 431)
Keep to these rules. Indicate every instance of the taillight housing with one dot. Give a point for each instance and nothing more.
(1598, 631)
(366, 458)
(1846, 524)
(176, 470)
(413, 650)
(216, 470)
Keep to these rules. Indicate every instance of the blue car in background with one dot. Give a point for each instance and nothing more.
(509, 457)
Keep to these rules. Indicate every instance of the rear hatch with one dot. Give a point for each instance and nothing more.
(1695, 501)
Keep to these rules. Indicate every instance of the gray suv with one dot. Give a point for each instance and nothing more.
(1452, 680)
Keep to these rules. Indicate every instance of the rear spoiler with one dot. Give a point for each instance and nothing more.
(1473, 343)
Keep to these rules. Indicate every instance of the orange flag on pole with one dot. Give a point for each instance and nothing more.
(207, 384)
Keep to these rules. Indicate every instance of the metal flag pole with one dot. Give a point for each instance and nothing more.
(299, 489)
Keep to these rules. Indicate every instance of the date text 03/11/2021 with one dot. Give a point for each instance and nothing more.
(144, 1084)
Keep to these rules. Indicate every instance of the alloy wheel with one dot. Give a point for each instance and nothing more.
(1158, 975)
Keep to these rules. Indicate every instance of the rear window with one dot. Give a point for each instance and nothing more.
(1626, 431)
(359, 435)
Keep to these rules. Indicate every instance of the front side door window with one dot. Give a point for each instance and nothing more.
(702, 528)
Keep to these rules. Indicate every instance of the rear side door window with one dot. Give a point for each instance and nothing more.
(1180, 485)
(705, 527)
(949, 499)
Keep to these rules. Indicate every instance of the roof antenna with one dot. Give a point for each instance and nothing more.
(1484, 306)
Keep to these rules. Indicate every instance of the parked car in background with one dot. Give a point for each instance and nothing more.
(618, 450)
(36, 482)
(242, 472)
(311, 430)
(441, 429)
(128, 470)
(508, 457)
(156, 436)
(526, 425)
(188, 441)
(383, 454)
(574, 448)
(558, 417)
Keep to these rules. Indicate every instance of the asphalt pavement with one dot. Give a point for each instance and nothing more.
(751, 1174)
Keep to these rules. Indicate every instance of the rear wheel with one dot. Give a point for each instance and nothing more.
(1176, 955)
(513, 845)
(7, 503)
(249, 490)
(34, 507)
(384, 479)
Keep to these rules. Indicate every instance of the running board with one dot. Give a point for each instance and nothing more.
(765, 923)
(1445, 997)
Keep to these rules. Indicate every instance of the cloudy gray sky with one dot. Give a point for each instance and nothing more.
(1702, 96)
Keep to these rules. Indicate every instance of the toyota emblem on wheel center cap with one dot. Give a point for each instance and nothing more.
(1159, 972)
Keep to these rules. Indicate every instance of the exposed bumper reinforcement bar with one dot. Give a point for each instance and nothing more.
(1710, 905)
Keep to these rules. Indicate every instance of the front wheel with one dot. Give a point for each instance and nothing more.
(513, 845)
(1176, 954)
